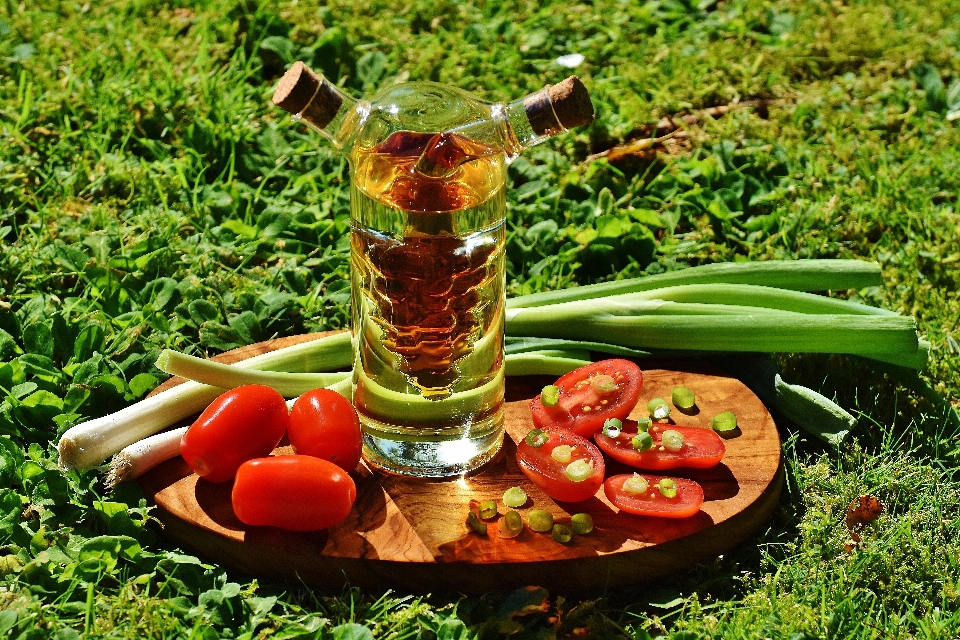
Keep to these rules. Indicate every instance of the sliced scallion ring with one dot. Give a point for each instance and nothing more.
(487, 510)
(683, 398)
(644, 424)
(515, 497)
(474, 523)
(726, 421)
(642, 441)
(581, 523)
(537, 438)
(636, 485)
(658, 409)
(611, 427)
(562, 533)
(550, 395)
(562, 453)
(511, 524)
(668, 488)
(540, 520)
(579, 470)
(672, 440)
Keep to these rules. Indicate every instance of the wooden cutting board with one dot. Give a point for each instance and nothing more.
(410, 534)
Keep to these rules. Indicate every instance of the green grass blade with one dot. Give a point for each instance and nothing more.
(798, 275)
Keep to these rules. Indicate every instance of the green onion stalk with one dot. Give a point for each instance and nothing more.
(749, 307)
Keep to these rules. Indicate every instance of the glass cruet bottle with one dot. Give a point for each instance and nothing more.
(428, 199)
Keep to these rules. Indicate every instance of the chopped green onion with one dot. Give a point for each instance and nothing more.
(537, 438)
(581, 523)
(550, 395)
(579, 470)
(644, 424)
(562, 453)
(603, 383)
(636, 485)
(540, 521)
(668, 488)
(672, 440)
(611, 427)
(487, 509)
(510, 525)
(800, 275)
(474, 523)
(562, 534)
(683, 398)
(658, 408)
(515, 497)
(726, 421)
(642, 441)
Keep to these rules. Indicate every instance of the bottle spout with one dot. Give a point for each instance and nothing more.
(303, 93)
(559, 108)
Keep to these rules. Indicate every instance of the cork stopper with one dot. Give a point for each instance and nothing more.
(301, 91)
(561, 107)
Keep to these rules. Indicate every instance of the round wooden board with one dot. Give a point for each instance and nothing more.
(410, 534)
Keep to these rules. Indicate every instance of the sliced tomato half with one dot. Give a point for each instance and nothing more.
(686, 502)
(589, 395)
(543, 468)
(702, 448)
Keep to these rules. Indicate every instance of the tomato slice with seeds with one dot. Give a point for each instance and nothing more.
(589, 395)
(702, 448)
(572, 477)
(686, 502)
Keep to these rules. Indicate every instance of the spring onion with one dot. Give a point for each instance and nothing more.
(511, 524)
(550, 395)
(536, 438)
(726, 307)
(141, 456)
(643, 424)
(540, 521)
(562, 453)
(635, 485)
(658, 409)
(487, 509)
(514, 497)
(798, 275)
(667, 488)
(89, 443)
(579, 470)
(672, 440)
(475, 524)
(683, 398)
(643, 441)
(562, 533)
(726, 421)
(611, 427)
(581, 523)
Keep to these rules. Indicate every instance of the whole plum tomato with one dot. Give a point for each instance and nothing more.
(243, 423)
(325, 425)
(299, 493)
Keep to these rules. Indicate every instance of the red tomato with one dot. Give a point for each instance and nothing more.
(243, 423)
(299, 493)
(539, 465)
(652, 503)
(325, 425)
(583, 406)
(702, 448)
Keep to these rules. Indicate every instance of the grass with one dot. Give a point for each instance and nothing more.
(150, 197)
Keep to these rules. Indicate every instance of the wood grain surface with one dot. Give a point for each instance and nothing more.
(410, 534)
